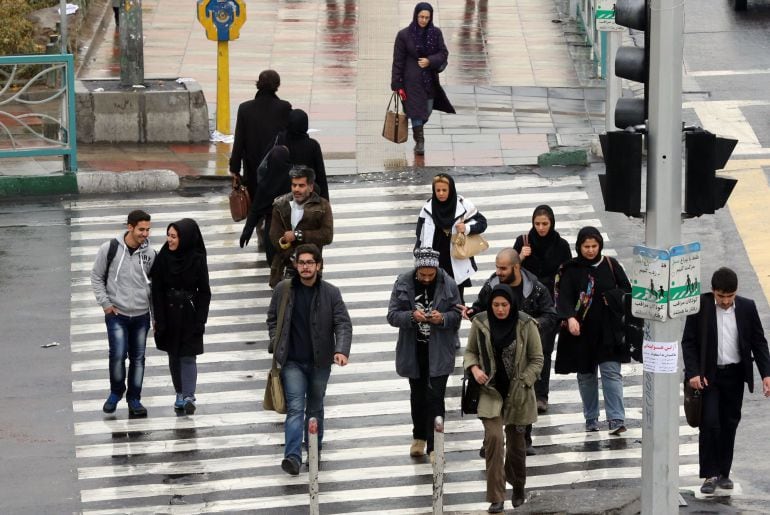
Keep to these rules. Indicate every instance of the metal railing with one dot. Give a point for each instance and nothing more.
(37, 108)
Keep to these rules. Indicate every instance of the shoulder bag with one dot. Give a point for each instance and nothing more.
(471, 389)
(274, 399)
(239, 201)
(395, 128)
(630, 330)
(693, 399)
(465, 246)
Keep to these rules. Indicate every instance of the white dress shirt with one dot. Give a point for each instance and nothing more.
(727, 336)
(297, 211)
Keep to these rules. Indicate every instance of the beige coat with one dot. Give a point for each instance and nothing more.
(520, 406)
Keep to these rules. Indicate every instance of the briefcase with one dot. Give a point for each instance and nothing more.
(239, 201)
(396, 128)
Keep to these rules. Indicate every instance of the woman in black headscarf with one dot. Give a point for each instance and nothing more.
(504, 356)
(587, 340)
(272, 181)
(542, 252)
(180, 299)
(304, 150)
(419, 55)
(446, 213)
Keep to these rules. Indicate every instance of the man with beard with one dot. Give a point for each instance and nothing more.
(530, 295)
(301, 216)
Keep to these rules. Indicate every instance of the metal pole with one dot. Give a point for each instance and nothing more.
(63, 15)
(438, 466)
(613, 85)
(312, 460)
(223, 87)
(660, 410)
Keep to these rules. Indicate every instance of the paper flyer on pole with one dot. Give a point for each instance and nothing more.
(660, 357)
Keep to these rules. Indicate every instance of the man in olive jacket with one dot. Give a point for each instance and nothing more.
(314, 333)
(301, 216)
(422, 306)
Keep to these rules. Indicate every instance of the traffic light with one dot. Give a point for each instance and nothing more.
(633, 63)
(705, 153)
(621, 185)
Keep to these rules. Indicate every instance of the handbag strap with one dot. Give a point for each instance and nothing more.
(395, 98)
(281, 313)
(525, 239)
(236, 182)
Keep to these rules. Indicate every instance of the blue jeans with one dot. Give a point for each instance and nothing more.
(612, 388)
(128, 338)
(305, 388)
(417, 122)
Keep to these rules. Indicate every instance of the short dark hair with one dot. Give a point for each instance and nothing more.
(136, 216)
(300, 171)
(269, 80)
(308, 248)
(724, 280)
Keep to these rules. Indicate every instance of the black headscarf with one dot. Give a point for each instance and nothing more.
(190, 249)
(275, 182)
(584, 234)
(426, 41)
(444, 212)
(298, 125)
(541, 244)
(503, 331)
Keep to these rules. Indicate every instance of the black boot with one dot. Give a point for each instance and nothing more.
(419, 139)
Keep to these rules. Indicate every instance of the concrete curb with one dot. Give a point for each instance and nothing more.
(127, 182)
(38, 185)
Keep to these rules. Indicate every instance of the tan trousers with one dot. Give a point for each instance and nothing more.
(507, 464)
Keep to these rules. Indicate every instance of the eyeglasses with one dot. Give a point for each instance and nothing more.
(306, 263)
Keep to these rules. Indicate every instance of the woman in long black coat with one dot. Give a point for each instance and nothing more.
(180, 299)
(588, 341)
(419, 55)
(304, 150)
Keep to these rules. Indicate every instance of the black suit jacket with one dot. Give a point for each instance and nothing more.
(751, 340)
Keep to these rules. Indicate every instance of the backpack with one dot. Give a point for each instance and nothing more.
(111, 252)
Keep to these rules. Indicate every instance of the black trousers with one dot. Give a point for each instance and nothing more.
(720, 415)
(542, 385)
(427, 399)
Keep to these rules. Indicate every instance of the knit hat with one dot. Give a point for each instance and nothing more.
(425, 257)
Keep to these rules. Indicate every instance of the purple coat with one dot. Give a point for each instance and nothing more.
(407, 74)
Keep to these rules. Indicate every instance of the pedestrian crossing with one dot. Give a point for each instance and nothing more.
(226, 458)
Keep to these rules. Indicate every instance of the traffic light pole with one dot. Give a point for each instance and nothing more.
(660, 420)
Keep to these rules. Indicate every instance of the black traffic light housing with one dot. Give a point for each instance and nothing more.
(633, 63)
(705, 153)
(621, 185)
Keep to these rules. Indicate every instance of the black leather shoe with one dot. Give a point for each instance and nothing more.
(709, 485)
(531, 450)
(290, 465)
(725, 483)
(495, 507)
(482, 452)
(518, 496)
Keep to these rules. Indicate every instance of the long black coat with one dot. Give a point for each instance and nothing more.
(406, 74)
(596, 342)
(180, 322)
(259, 122)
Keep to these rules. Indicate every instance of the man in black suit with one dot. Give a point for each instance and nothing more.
(730, 328)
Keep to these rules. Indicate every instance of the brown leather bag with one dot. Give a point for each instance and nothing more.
(239, 201)
(396, 127)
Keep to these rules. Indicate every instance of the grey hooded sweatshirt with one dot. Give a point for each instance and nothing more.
(128, 283)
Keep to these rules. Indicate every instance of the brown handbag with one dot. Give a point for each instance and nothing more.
(274, 399)
(239, 201)
(396, 127)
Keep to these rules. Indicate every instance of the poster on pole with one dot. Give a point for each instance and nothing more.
(605, 16)
(660, 357)
(685, 285)
(649, 283)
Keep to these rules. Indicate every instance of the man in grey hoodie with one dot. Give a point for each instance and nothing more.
(121, 284)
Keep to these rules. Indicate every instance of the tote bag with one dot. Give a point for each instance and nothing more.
(395, 128)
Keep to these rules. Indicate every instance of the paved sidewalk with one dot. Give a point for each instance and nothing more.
(512, 77)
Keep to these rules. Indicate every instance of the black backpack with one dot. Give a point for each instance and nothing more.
(111, 252)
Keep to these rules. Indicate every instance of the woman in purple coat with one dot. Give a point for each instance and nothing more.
(419, 55)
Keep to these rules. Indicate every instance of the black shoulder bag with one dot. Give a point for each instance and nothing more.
(471, 389)
(630, 330)
(693, 399)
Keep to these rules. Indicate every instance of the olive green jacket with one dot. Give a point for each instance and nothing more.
(520, 406)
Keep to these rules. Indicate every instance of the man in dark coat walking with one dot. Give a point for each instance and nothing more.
(259, 122)
(729, 327)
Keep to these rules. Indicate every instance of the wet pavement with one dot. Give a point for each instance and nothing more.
(513, 77)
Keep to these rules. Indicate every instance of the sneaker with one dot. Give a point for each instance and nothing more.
(111, 404)
(709, 485)
(290, 465)
(495, 507)
(617, 427)
(135, 409)
(592, 425)
(725, 483)
(189, 405)
(179, 403)
(542, 406)
(418, 448)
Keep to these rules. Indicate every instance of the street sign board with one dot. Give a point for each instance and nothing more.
(605, 16)
(222, 19)
(685, 285)
(649, 282)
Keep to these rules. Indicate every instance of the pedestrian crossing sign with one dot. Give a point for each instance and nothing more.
(685, 285)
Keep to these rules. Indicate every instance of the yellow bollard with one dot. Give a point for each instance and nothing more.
(223, 87)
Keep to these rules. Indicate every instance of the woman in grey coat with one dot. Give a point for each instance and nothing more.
(505, 357)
